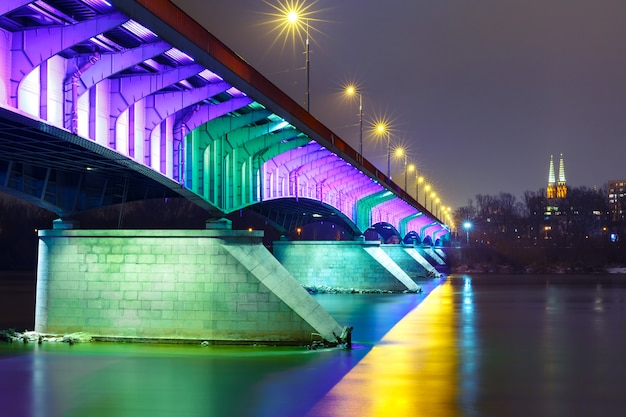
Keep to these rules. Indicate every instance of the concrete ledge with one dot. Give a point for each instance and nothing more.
(212, 233)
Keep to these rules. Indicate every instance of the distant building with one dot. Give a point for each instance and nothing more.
(617, 200)
(556, 190)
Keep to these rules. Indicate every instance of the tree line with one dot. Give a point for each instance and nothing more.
(535, 233)
(580, 219)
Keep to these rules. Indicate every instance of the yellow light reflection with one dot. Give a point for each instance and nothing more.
(413, 371)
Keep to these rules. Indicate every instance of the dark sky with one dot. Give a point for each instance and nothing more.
(481, 92)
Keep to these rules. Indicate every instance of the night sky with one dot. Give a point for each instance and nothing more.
(481, 92)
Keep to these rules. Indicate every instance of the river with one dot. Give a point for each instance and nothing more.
(470, 345)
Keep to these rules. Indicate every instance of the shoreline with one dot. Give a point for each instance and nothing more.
(533, 269)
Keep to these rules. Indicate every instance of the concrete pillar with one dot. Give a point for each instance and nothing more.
(357, 264)
(214, 285)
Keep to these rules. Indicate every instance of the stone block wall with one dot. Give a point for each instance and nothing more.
(342, 264)
(170, 285)
(400, 254)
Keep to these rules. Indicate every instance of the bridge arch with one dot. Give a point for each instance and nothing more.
(412, 238)
(287, 214)
(164, 100)
(385, 232)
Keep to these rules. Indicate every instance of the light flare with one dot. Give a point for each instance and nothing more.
(292, 21)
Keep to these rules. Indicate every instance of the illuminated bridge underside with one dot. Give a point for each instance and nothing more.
(109, 101)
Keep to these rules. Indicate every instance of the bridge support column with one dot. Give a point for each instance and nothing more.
(358, 264)
(215, 285)
(411, 260)
(65, 224)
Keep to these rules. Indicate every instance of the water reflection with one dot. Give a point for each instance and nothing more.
(476, 346)
(411, 372)
(468, 349)
(106, 379)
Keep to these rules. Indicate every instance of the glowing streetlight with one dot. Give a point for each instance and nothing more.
(418, 181)
(401, 153)
(412, 168)
(352, 90)
(467, 226)
(293, 17)
(381, 129)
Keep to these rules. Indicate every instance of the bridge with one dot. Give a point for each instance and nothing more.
(105, 102)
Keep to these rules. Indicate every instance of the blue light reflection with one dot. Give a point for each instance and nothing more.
(468, 343)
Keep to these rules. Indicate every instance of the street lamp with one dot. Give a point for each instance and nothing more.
(467, 226)
(412, 168)
(293, 17)
(418, 181)
(381, 129)
(352, 90)
(426, 190)
(432, 199)
(401, 153)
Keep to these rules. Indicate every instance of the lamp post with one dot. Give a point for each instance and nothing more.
(307, 97)
(426, 190)
(381, 129)
(400, 152)
(418, 181)
(352, 90)
(293, 17)
(411, 168)
(432, 199)
(467, 226)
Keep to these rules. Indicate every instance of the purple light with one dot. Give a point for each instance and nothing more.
(328, 178)
(210, 76)
(140, 31)
(235, 93)
(97, 4)
(179, 56)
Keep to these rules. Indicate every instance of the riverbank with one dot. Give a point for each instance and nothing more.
(536, 260)
(487, 268)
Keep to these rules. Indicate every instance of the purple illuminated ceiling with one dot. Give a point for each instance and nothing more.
(161, 74)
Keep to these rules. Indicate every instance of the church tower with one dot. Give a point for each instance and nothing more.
(551, 190)
(556, 189)
(561, 186)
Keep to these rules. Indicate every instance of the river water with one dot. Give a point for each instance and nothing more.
(470, 345)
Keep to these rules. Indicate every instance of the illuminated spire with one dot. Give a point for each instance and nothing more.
(551, 190)
(551, 176)
(561, 187)
(561, 170)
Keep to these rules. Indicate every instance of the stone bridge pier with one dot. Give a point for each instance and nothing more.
(221, 286)
(358, 264)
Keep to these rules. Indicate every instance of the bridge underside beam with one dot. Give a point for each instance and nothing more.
(62, 173)
(141, 83)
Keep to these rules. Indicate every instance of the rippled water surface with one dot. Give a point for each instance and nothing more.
(475, 346)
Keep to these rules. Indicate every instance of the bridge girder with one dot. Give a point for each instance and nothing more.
(110, 64)
(144, 81)
(32, 46)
